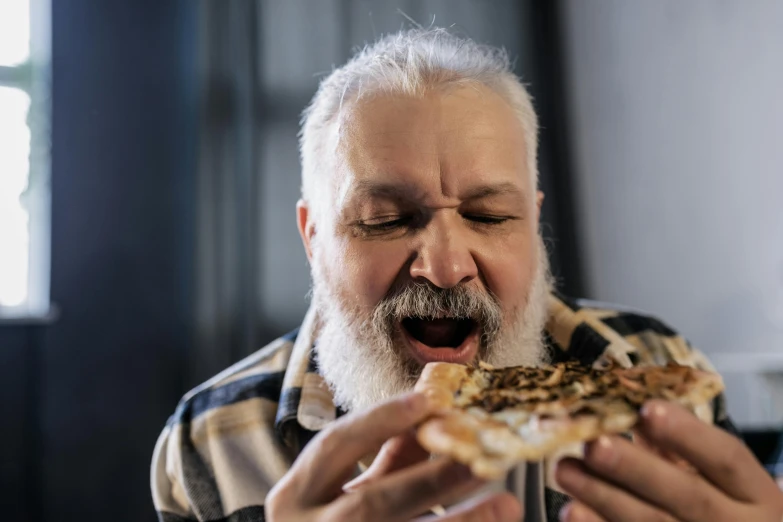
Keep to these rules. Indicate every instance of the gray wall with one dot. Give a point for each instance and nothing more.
(678, 133)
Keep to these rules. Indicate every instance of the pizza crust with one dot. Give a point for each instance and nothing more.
(491, 443)
(439, 381)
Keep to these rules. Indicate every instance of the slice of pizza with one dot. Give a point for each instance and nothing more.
(493, 418)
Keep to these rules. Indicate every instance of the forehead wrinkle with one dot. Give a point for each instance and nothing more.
(401, 192)
(388, 190)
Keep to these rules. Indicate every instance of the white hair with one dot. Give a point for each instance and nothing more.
(408, 63)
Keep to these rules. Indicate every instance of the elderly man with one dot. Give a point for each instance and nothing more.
(419, 215)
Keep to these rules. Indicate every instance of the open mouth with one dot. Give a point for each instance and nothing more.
(439, 333)
(442, 339)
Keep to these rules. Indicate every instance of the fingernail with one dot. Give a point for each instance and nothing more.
(602, 450)
(605, 444)
(653, 409)
(572, 512)
(565, 512)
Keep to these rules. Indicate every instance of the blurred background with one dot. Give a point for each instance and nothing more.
(149, 171)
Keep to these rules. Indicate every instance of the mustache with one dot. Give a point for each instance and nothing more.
(423, 300)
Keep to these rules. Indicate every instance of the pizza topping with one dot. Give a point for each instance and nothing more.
(570, 384)
(630, 383)
(555, 377)
(493, 418)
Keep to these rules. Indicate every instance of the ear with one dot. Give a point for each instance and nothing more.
(539, 203)
(306, 226)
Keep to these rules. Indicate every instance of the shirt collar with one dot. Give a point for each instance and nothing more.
(305, 399)
(579, 333)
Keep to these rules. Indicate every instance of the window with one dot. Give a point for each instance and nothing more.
(24, 157)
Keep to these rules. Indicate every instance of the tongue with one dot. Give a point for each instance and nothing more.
(437, 332)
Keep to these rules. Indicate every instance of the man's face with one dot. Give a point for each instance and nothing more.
(430, 249)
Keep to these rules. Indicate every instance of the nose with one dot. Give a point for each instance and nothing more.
(444, 257)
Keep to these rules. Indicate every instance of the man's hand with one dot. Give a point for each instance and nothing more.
(398, 490)
(396, 453)
(619, 481)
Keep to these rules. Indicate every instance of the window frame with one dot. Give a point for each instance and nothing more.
(33, 76)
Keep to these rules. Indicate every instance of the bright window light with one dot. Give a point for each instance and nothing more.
(14, 31)
(14, 169)
(25, 53)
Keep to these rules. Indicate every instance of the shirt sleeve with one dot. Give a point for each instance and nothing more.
(167, 481)
(219, 464)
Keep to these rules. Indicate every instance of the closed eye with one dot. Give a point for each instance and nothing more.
(486, 219)
(384, 224)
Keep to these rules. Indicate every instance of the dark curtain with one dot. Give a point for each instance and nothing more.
(85, 393)
(260, 63)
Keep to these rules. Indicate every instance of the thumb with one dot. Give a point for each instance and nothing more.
(397, 453)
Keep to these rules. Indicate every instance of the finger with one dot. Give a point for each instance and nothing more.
(398, 453)
(605, 501)
(648, 476)
(640, 441)
(331, 456)
(406, 493)
(720, 457)
(575, 511)
(502, 507)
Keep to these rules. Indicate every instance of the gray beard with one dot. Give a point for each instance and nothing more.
(364, 363)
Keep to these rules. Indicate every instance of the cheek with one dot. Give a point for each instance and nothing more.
(364, 272)
(509, 268)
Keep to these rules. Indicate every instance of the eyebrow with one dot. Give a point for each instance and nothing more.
(495, 189)
(407, 191)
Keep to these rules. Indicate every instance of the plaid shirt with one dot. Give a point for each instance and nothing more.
(232, 438)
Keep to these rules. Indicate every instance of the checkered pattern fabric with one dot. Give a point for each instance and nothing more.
(232, 438)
